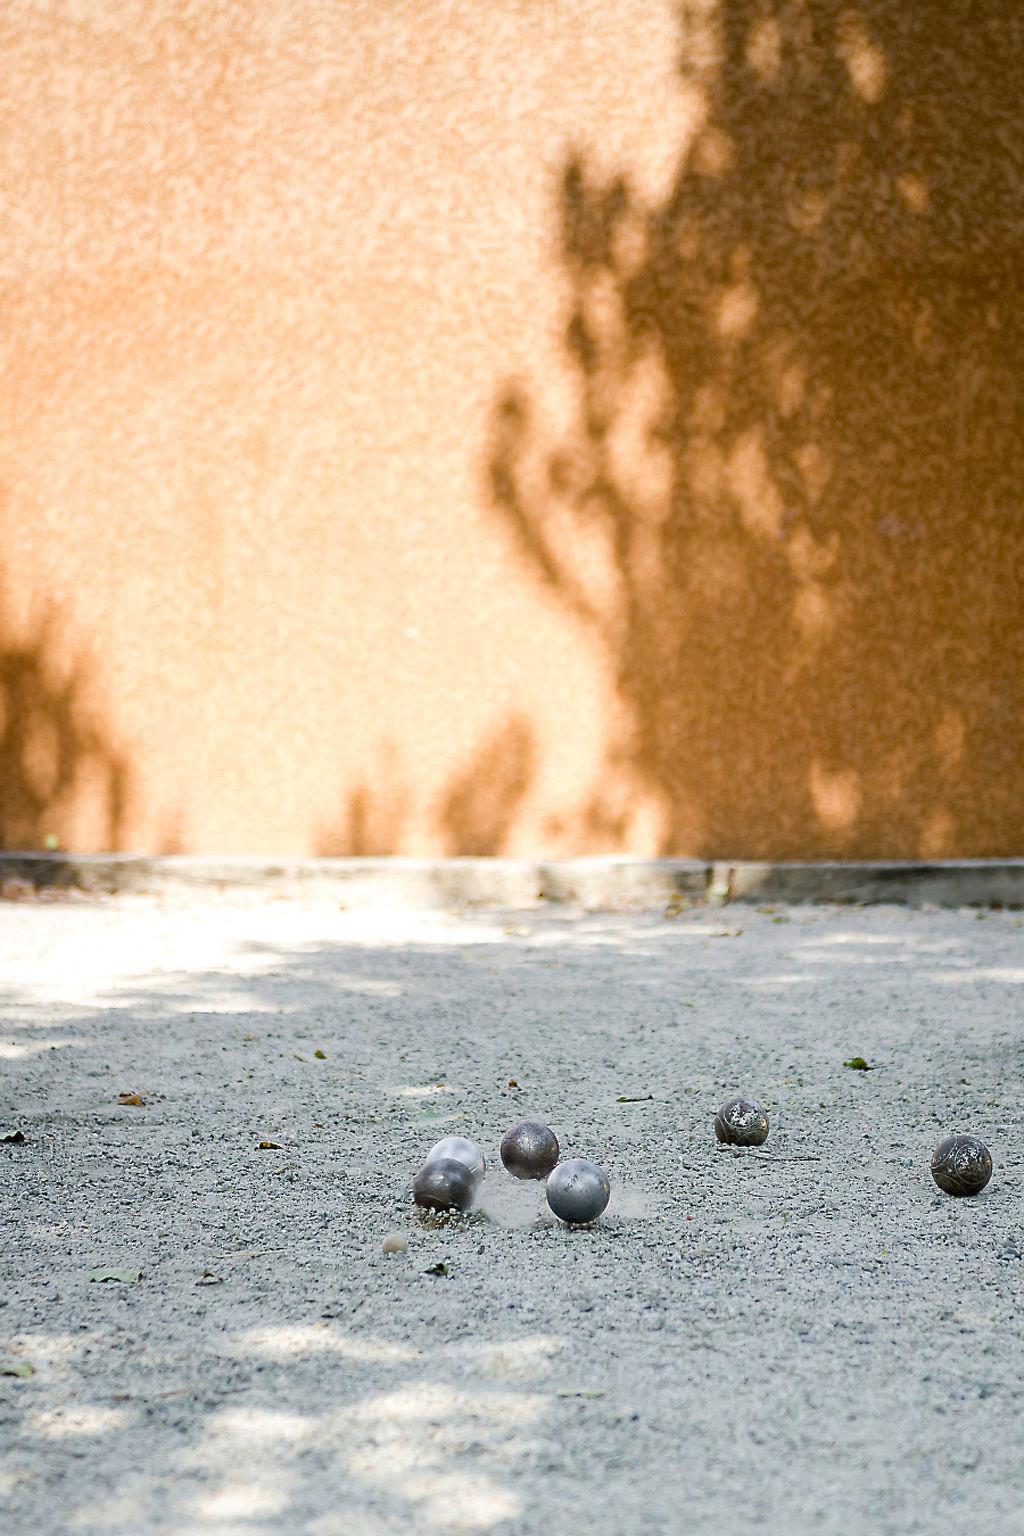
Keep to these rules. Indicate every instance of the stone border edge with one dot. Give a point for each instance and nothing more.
(592, 882)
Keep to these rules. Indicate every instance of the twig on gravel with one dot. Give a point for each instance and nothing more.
(155, 1397)
(249, 1253)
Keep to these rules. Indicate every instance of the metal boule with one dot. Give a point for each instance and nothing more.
(742, 1123)
(443, 1184)
(961, 1165)
(460, 1149)
(578, 1191)
(529, 1150)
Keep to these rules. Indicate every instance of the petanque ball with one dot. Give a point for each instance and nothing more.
(529, 1150)
(961, 1165)
(742, 1123)
(460, 1149)
(443, 1184)
(578, 1191)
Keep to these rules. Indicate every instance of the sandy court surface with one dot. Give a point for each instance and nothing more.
(806, 1339)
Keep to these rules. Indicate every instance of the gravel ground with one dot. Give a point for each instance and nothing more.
(809, 1338)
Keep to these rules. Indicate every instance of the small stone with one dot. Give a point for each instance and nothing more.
(742, 1123)
(961, 1165)
(395, 1242)
(529, 1150)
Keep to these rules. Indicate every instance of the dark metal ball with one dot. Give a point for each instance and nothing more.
(742, 1123)
(961, 1165)
(529, 1150)
(578, 1191)
(442, 1184)
(460, 1150)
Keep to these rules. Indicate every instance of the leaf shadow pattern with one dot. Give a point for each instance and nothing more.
(473, 816)
(375, 814)
(481, 801)
(788, 509)
(55, 757)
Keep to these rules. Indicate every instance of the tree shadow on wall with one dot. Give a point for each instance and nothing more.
(374, 815)
(789, 510)
(54, 757)
(473, 815)
(481, 801)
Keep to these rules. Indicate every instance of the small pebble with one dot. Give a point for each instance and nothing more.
(395, 1242)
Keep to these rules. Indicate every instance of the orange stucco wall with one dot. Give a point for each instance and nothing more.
(500, 426)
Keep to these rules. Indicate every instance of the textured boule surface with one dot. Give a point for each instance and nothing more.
(578, 1191)
(742, 1123)
(443, 1184)
(811, 1330)
(961, 1165)
(529, 1150)
(460, 1149)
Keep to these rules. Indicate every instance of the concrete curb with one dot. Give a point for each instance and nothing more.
(597, 882)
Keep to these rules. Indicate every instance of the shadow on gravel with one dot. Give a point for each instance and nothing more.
(270, 1352)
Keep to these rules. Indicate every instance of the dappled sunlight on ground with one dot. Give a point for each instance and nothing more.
(271, 1370)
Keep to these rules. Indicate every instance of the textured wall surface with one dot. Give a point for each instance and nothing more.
(498, 426)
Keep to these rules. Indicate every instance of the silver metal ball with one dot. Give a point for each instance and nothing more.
(460, 1150)
(961, 1165)
(742, 1123)
(442, 1184)
(578, 1191)
(529, 1150)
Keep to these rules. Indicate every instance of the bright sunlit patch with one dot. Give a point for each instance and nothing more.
(424, 1091)
(812, 612)
(737, 310)
(815, 468)
(69, 1423)
(11, 1050)
(240, 1501)
(296, 1340)
(714, 153)
(864, 59)
(433, 1402)
(220, 1001)
(845, 936)
(937, 833)
(462, 1501)
(268, 1425)
(913, 192)
(405, 1441)
(835, 794)
(518, 1359)
(1014, 974)
(752, 486)
(391, 928)
(949, 737)
(774, 983)
(764, 48)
